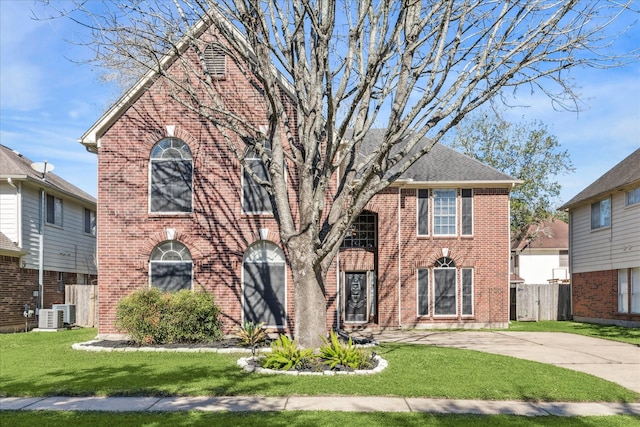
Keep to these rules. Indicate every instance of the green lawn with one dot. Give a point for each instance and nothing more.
(41, 364)
(616, 333)
(295, 418)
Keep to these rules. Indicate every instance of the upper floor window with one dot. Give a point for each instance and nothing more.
(255, 198)
(466, 216)
(215, 61)
(362, 233)
(601, 214)
(54, 210)
(423, 212)
(171, 177)
(444, 212)
(89, 221)
(633, 197)
(170, 266)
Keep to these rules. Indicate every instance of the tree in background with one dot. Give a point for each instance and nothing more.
(524, 150)
(414, 68)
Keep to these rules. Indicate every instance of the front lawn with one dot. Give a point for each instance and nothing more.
(42, 364)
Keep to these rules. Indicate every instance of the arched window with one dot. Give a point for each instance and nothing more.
(171, 267)
(255, 198)
(264, 284)
(171, 177)
(444, 287)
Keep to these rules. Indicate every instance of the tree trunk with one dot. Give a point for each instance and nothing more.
(310, 301)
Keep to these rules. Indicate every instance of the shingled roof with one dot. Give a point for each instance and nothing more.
(7, 247)
(17, 167)
(621, 175)
(552, 234)
(445, 165)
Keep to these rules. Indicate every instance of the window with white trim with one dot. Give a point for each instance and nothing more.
(466, 216)
(264, 285)
(601, 214)
(362, 233)
(623, 291)
(444, 288)
(466, 275)
(423, 212)
(633, 197)
(444, 212)
(171, 267)
(255, 198)
(171, 177)
(54, 210)
(635, 290)
(89, 221)
(423, 292)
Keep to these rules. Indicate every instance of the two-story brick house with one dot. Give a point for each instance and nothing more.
(177, 211)
(604, 246)
(47, 239)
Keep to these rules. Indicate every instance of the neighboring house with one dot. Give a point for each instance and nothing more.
(29, 205)
(604, 246)
(542, 256)
(177, 211)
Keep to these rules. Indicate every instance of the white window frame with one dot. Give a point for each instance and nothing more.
(623, 290)
(92, 222)
(436, 211)
(159, 158)
(635, 290)
(472, 294)
(252, 156)
(58, 211)
(427, 272)
(421, 218)
(452, 267)
(177, 248)
(603, 220)
(632, 197)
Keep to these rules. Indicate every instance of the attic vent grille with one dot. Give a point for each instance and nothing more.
(215, 61)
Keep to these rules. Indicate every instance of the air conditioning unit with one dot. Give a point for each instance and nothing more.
(69, 312)
(51, 319)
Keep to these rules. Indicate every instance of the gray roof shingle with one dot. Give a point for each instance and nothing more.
(444, 164)
(15, 165)
(624, 173)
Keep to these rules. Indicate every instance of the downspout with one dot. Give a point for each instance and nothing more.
(570, 264)
(338, 311)
(41, 250)
(399, 258)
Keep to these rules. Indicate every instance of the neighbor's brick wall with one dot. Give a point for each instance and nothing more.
(595, 296)
(16, 289)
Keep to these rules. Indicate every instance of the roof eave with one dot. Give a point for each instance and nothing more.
(410, 183)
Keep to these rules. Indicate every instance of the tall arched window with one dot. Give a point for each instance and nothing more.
(264, 284)
(171, 177)
(171, 267)
(444, 287)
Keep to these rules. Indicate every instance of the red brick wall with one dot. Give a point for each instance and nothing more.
(16, 289)
(595, 296)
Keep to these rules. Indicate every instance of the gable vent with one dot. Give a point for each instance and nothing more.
(215, 61)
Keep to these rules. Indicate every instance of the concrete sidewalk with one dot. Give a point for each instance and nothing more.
(318, 403)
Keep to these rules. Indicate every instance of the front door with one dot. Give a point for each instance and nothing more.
(359, 297)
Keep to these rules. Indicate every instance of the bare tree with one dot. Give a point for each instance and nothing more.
(414, 68)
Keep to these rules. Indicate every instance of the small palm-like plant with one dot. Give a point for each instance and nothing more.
(336, 353)
(252, 335)
(286, 355)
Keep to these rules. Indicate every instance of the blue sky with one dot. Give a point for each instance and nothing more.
(47, 102)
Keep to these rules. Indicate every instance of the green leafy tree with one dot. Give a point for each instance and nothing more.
(524, 150)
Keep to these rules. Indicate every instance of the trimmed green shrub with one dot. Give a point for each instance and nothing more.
(337, 354)
(285, 355)
(150, 316)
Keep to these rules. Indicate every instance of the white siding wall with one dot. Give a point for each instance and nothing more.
(9, 212)
(609, 248)
(66, 248)
(536, 266)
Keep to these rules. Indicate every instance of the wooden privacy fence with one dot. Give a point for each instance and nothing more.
(85, 298)
(550, 301)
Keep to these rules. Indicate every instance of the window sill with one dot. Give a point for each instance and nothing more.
(595, 230)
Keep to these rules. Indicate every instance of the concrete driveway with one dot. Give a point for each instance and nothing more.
(611, 360)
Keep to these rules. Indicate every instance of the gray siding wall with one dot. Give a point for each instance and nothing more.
(609, 248)
(67, 248)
